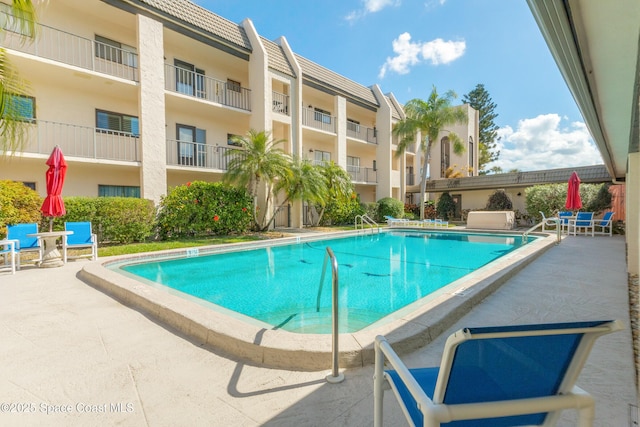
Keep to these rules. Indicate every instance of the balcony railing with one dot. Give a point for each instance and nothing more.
(193, 154)
(318, 120)
(198, 85)
(81, 141)
(280, 103)
(367, 175)
(70, 49)
(363, 133)
(411, 179)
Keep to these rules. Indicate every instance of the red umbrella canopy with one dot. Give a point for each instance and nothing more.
(53, 204)
(573, 193)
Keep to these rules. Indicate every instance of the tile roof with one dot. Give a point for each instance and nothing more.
(325, 77)
(235, 34)
(204, 19)
(277, 59)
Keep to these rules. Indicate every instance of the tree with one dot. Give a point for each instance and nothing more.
(11, 126)
(258, 164)
(338, 184)
(480, 100)
(429, 118)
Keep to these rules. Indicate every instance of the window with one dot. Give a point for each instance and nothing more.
(234, 85)
(321, 157)
(189, 79)
(445, 159)
(114, 51)
(353, 164)
(353, 126)
(118, 191)
(29, 184)
(230, 140)
(20, 107)
(471, 153)
(109, 122)
(320, 115)
(191, 145)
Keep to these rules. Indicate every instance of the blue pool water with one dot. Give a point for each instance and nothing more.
(378, 275)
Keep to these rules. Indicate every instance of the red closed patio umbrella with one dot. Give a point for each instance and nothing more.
(573, 193)
(53, 205)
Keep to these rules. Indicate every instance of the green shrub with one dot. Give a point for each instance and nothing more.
(342, 211)
(551, 198)
(113, 219)
(430, 211)
(499, 201)
(18, 204)
(124, 219)
(371, 209)
(389, 206)
(446, 207)
(204, 208)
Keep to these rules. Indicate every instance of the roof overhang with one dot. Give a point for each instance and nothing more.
(596, 46)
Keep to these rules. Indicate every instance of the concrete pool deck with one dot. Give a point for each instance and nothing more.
(69, 349)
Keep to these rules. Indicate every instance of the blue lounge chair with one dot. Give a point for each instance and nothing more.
(495, 376)
(81, 238)
(583, 221)
(396, 222)
(24, 243)
(604, 223)
(8, 252)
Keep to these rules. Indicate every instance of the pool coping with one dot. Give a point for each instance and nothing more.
(419, 323)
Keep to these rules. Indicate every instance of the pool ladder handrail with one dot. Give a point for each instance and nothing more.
(335, 376)
(545, 221)
(366, 219)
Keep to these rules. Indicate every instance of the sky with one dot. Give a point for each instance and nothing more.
(407, 47)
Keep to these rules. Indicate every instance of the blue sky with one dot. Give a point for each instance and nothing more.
(407, 46)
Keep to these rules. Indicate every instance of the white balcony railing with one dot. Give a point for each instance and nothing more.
(318, 120)
(363, 133)
(81, 141)
(193, 154)
(70, 49)
(280, 103)
(366, 175)
(198, 85)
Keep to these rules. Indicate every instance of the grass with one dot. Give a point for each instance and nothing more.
(134, 248)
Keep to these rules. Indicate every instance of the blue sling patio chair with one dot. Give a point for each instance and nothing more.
(20, 233)
(603, 224)
(81, 238)
(583, 221)
(495, 377)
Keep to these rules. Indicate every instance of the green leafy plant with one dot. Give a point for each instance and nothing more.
(445, 207)
(499, 201)
(389, 206)
(18, 204)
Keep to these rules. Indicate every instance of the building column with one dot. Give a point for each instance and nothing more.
(632, 201)
(151, 110)
(341, 131)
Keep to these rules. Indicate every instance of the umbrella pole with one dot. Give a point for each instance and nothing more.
(50, 224)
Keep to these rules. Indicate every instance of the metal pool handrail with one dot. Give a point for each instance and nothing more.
(558, 231)
(364, 218)
(335, 376)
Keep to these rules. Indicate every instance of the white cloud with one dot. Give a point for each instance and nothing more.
(410, 53)
(541, 143)
(370, 6)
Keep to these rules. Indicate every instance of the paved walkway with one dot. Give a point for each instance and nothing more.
(72, 351)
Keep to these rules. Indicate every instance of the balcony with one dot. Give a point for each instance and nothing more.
(280, 103)
(197, 155)
(363, 175)
(363, 133)
(81, 141)
(318, 120)
(199, 86)
(70, 49)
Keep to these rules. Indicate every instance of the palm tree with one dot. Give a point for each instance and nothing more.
(338, 183)
(257, 164)
(11, 126)
(429, 117)
(303, 182)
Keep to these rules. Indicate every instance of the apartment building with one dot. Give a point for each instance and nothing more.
(145, 95)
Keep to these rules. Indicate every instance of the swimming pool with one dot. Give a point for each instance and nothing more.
(243, 338)
(378, 275)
